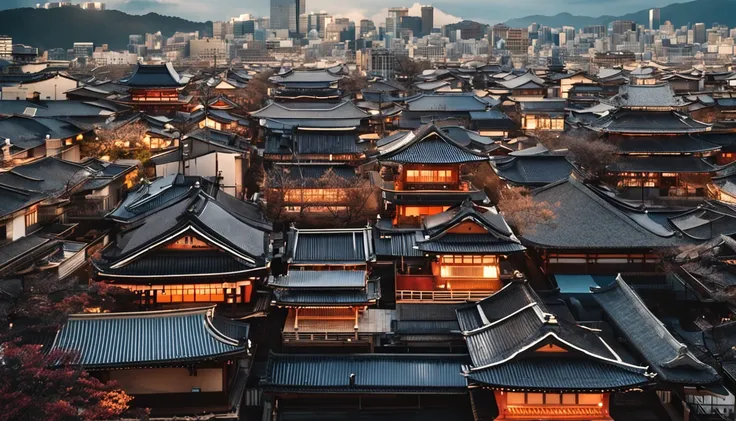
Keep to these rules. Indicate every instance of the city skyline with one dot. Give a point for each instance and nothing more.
(492, 11)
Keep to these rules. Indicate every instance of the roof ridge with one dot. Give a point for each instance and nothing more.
(145, 314)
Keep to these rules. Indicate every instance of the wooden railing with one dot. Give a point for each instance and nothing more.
(326, 337)
(441, 296)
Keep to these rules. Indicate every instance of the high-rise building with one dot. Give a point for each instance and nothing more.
(517, 40)
(83, 49)
(285, 14)
(412, 23)
(366, 26)
(6, 48)
(699, 34)
(93, 5)
(500, 32)
(597, 30)
(393, 21)
(427, 20)
(654, 19)
(621, 27)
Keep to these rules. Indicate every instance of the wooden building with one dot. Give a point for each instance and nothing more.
(185, 252)
(308, 85)
(199, 371)
(156, 89)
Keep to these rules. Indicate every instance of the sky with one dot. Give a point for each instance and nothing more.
(487, 11)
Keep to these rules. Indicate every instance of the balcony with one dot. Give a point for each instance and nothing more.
(423, 288)
(335, 325)
(395, 192)
(554, 412)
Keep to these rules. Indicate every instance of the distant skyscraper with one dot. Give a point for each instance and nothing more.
(366, 26)
(654, 19)
(412, 23)
(699, 34)
(621, 27)
(427, 20)
(6, 47)
(393, 21)
(285, 14)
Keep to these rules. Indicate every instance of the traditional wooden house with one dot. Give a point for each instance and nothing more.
(686, 82)
(328, 288)
(463, 254)
(526, 87)
(539, 366)
(661, 154)
(422, 172)
(199, 371)
(454, 107)
(156, 89)
(313, 132)
(185, 251)
(542, 114)
(531, 170)
(26, 138)
(308, 85)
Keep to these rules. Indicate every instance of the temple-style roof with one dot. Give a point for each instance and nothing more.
(329, 246)
(197, 214)
(155, 76)
(306, 78)
(648, 122)
(116, 340)
(533, 170)
(513, 296)
(428, 145)
(320, 279)
(585, 219)
(149, 196)
(666, 356)
(462, 102)
(491, 120)
(315, 142)
(683, 144)
(526, 81)
(647, 96)
(365, 373)
(308, 296)
(442, 234)
(503, 351)
(662, 164)
(312, 114)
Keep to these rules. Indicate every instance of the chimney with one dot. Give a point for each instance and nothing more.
(352, 379)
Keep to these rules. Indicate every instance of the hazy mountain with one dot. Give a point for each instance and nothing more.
(62, 27)
(706, 11)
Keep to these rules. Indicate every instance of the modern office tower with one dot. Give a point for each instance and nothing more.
(654, 19)
(699, 34)
(412, 23)
(366, 26)
(621, 27)
(393, 21)
(285, 14)
(427, 20)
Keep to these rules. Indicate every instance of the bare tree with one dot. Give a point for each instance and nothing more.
(118, 141)
(357, 198)
(354, 83)
(522, 212)
(482, 175)
(409, 69)
(281, 189)
(255, 94)
(592, 154)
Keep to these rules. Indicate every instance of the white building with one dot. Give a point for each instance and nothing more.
(53, 88)
(6, 48)
(93, 5)
(113, 58)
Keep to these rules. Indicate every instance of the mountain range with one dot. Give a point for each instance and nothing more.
(62, 27)
(706, 11)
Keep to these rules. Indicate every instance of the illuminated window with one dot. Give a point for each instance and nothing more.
(423, 210)
(429, 176)
(32, 217)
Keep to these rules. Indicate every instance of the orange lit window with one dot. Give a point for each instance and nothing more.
(429, 176)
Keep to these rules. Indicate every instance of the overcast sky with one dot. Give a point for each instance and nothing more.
(489, 11)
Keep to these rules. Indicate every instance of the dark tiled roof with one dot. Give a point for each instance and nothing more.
(310, 111)
(25, 246)
(309, 175)
(423, 312)
(150, 196)
(374, 373)
(583, 219)
(428, 145)
(668, 357)
(663, 144)
(548, 106)
(98, 111)
(648, 122)
(319, 279)
(659, 95)
(492, 119)
(197, 263)
(339, 246)
(659, 164)
(515, 295)
(447, 102)
(151, 337)
(425, 327)
(469, 243)
(326, 297)
(315, 142)
(534, 170)
(389, 243)
(559, 374)
(154, 76)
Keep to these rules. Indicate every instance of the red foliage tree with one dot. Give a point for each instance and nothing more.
(38, 386)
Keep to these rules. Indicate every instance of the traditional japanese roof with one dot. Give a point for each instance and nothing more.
(306, 78)
(324, 279)
(100, 110)
(550, 106)
(647, 96)
(154, 76)
(533, 170)
(317, 142)
(309, 175)
(491, 120)
(210, 219)
(584, 219)
(503, 355)
(648, 122)
(330, 246)
(428, 145)
(663, 144)
(471, 139)
(27, 133)
(668, 357)
(462, 102)
(440, 238)
(321, 297)
(510, 298)
(111, 340)
(389, 242)
(149, 196)
(15, 254)
(662, 164)
(526, 81)
(365, 373)
(313, 114)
